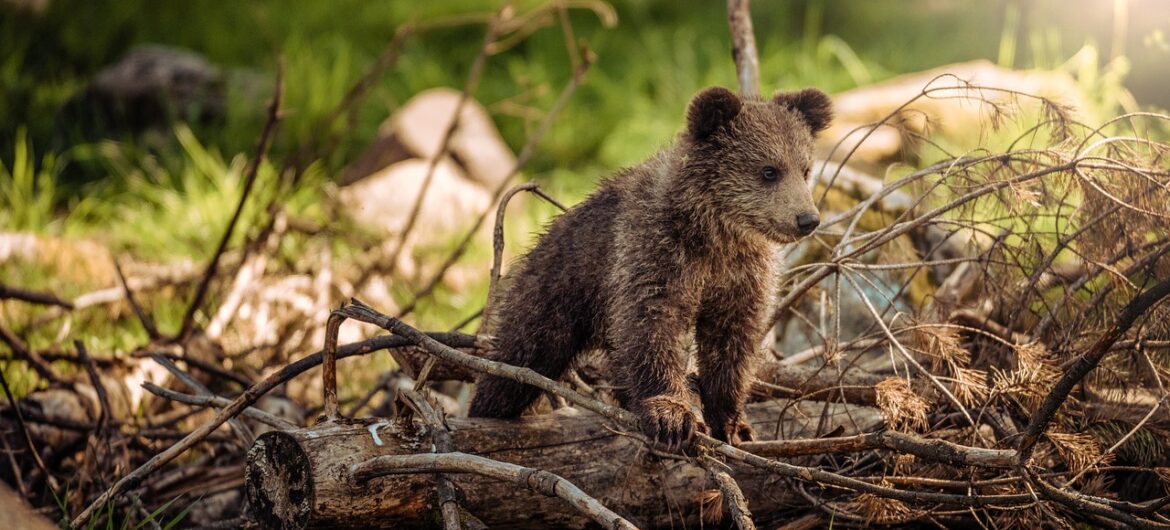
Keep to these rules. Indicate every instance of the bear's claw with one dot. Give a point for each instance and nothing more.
(669, 420)
(734, 430)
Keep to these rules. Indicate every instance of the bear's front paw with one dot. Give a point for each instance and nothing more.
(733, 430)
(669, 420)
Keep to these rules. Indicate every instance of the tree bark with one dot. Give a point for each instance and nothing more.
(303, 478)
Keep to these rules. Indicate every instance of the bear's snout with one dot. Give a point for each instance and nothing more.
(807, 222)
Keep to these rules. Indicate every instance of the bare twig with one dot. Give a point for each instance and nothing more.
(537, 480)
(237, 426)
(525, 154)
(1085, 364)
(32, 448)
(906, 355)
(362, 312)
(934, 450)
(32, 297)
(245, 399)
(143, 317)
(249, 181)
(21, 351)
(98, 386)
(356, 94)
(441, 441)
(468, 89)
(266, 418)
(197, 364)
(498, 243)
(329, 365)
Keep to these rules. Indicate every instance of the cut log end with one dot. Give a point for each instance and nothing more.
(279, 485)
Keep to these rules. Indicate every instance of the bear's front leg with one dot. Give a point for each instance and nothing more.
(650, 316)
(731, 325)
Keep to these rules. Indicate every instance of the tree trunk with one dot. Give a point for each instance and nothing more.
(302, 479)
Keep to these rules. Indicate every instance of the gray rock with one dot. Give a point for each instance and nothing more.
(151, 86)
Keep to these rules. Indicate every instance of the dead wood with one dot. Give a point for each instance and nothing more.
(303, 479)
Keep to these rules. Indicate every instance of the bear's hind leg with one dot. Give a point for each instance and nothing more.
(548, 348)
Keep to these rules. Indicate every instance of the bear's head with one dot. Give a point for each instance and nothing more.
(751, 159)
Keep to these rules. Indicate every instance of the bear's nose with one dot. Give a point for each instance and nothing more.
(807, 222)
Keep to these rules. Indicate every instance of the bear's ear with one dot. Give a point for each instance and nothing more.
(711, 109)
(813, 106)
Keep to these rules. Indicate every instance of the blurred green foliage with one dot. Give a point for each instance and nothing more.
(660, 53)
(166, 194)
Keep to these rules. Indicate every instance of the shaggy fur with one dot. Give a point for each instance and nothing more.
(680, 246)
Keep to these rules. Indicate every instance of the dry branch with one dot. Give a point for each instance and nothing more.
(536, 480)
(249, 180)
(301, 477)
(32, 297)
(237, 405)
(526, 153)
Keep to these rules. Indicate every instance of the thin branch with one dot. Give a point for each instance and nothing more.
(32, 447)
(266, 418)
(237, 426)
(906, 355)
(525, 154)
(934, 450)
(245, 399)
(20, 350)
(1085, 364)
(33, 297)
(536, 480)
(441, 443)
(498, 242)
(143, 317)
(100, 388)
(468, 89)
(197, 364)
(329, 365)
(364, 313)
(249, 181)
(356, 94)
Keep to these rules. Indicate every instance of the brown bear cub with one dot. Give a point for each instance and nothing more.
(681, 246)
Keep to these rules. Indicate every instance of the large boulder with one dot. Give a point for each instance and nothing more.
(381, 187)
(417, 129)
(383, 201)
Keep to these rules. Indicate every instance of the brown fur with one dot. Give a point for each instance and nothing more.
(682, 244)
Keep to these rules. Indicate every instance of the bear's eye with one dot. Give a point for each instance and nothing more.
(769, 173)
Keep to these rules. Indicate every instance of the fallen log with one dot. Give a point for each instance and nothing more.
(306, 478)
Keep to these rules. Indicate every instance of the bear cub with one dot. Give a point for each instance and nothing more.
(680, 247)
